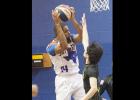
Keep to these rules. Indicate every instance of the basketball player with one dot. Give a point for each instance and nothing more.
(92, 55)
(63, 54)
(34, 90)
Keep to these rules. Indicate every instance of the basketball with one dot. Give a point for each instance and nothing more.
(64, 11)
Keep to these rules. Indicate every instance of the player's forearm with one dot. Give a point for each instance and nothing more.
(90, 93)
(85, 37)
(61, 37)
(77, 26)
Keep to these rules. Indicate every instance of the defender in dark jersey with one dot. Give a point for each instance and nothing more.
(91, 73)
(92, 55)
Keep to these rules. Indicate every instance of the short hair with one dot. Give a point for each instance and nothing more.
(94, 51)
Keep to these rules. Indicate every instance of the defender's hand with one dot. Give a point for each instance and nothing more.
(83, 22)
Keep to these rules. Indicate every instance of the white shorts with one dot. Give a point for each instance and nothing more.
(69, 86)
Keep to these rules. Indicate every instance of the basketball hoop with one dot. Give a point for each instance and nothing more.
(99, 5)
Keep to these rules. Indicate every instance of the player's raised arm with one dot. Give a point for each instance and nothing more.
(77, 26)
(59, 32)
(85, 37)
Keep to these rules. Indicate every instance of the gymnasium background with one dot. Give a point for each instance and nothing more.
(99, 28)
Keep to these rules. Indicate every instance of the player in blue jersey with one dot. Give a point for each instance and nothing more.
(63, 54)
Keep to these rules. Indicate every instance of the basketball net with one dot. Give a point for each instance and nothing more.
(99, 5)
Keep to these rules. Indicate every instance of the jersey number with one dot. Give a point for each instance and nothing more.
(64, 68)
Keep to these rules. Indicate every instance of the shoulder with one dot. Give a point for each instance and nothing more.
(92, 71)
(51, 47)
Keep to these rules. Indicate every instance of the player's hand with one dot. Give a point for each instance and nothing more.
(72, 13)
(84, 22)
(55, 16)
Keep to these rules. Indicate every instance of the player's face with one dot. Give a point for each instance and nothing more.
(66, 31)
